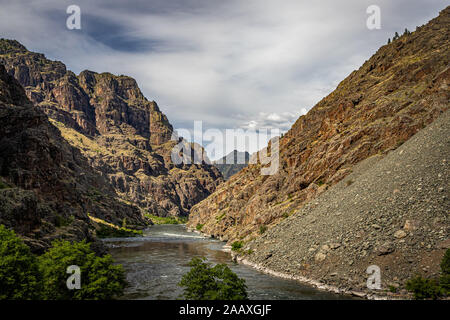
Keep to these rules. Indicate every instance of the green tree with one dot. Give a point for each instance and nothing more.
(444, 281)
(100, 279)
(19, 276)
(237, 245)
(430, 288)
(204, 282)
(423, 288)
(445, 264)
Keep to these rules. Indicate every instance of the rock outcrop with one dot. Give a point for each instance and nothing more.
(47, 188)
(232, 163)
(401, 89)
(123, 135)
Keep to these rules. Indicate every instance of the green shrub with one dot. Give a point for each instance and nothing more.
(3, 185)
(199, 226)
(445, 264)
(166, 220)
(237, 245)
(106, 231)
(262, 229)
(392, 289)
(444, 281)
(204, 282)
(100, 279)
(19, 275)
(429, 288)
(423, 288)
(61, 221)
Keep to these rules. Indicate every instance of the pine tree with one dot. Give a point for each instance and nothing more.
(389, 40)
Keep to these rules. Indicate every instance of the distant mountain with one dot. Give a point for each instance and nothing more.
(232, 163)
(123, 135)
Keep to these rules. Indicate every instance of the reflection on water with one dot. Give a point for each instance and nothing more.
(156, 262)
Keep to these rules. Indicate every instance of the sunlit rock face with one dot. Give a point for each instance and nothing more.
(47, 187)
(122, 134)
(402, 88)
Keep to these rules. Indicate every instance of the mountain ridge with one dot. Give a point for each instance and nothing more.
(391, 212)
(402, 88)
(123, 135)
(47, 188)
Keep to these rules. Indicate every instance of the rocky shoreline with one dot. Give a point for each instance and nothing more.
(315, 283)
(303, 280)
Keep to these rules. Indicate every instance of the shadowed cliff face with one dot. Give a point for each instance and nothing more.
(47, 188)
(398, 91)
(121, 133)
(232, 163)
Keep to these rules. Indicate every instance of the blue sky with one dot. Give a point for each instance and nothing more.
(231, 64)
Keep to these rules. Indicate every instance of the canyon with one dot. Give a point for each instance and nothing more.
(124, 137)
(296, 223)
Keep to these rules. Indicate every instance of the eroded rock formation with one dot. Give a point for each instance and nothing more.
(122, 134)
(47, 188)
(402, 88)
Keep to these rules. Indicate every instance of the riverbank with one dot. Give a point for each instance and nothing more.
(390, 212)
(302, 280)
(155, 263)
(315, 283)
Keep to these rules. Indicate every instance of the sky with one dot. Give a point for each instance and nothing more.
(232, 64)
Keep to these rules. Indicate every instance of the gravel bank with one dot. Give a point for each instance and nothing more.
(391, 211)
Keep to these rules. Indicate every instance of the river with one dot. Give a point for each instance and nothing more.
(155, 263)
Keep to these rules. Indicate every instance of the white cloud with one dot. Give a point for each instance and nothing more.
(282, 121)
(232, 64)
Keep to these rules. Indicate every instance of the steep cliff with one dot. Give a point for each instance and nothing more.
(47, 188)
(122, 134)
(392, 211)
(402, 88)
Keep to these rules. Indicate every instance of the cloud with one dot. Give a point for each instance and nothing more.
(231, 64)
(282, 121)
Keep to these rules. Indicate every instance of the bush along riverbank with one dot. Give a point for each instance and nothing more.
(25, 276)
(416, 287)
(165, 220)
(104, 229)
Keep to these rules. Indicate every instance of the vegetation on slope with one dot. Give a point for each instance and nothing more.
(165, 220)
(26, 276)
(424, 288)
(106, 229)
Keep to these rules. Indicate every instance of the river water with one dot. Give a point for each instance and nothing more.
(155, 263)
